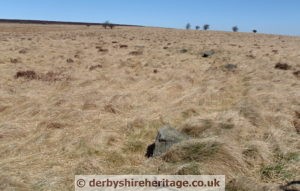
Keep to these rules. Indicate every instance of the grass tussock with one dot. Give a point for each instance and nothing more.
(275, 172)
(250, 110)
(47, 77)
(192, 151)
(195, 127)
(136, 53)
(279, 170)
(192, 168)
(28, 74)
(243, 183)
(115, 158)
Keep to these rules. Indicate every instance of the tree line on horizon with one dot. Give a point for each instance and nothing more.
(188, 26)
(205, 27)
(107, 24)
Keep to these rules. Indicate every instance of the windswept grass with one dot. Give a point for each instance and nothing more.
(85, 100)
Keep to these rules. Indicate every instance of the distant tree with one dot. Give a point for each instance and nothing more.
(206, 27)
(106, 24)
(111, 26)
(254, 31)
(197, 27)
(235, 29)
(188, 26)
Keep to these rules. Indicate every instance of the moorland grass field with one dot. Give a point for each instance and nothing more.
(89, 100)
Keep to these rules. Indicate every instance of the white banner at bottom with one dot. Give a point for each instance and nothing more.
(149, 182)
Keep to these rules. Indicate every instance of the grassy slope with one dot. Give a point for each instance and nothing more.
(83, 120)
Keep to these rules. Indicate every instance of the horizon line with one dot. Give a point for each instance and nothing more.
(60, 22)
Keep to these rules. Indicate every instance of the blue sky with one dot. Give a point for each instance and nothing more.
(267, 16)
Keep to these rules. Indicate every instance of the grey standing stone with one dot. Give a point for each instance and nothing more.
(207, 53)
(230, 67)
(166, 137)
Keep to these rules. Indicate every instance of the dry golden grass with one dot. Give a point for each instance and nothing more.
(98, 97)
